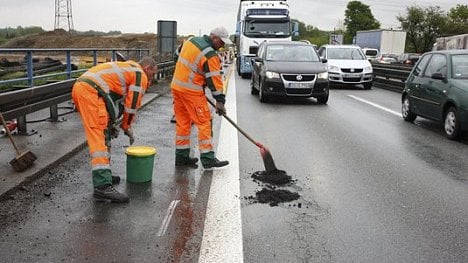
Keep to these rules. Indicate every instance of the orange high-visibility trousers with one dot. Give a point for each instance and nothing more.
(94, 117)
(188, 109)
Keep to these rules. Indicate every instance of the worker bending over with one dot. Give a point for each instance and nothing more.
(198, 66)
(107, 96)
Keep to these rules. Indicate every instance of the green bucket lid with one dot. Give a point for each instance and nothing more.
(140, 151)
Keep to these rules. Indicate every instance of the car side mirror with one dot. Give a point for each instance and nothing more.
(324, 60)
(438, 75)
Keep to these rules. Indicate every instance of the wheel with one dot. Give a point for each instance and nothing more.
(451, 124)
(261, 96)
(406, 112)
(244, 75)
(322, 99)
(253, 90)
(367, 85)
(238, 66)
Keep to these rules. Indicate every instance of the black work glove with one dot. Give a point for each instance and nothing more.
(220, 109)
(130, 135)
(114, 132)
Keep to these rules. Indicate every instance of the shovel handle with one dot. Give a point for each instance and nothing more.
(235, 125)
(9, 134)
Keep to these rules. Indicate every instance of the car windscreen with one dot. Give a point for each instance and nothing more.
(296, 53)
(371, 52)
(345, 53)
(460, 66)
(269, 28)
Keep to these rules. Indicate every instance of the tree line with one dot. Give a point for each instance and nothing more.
(423, 25)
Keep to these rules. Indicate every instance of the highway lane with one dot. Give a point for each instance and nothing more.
(373, 187)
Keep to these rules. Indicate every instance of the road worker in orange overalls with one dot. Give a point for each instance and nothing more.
(106, 96)
(198, 66)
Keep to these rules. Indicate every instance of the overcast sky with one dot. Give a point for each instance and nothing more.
(192, 16)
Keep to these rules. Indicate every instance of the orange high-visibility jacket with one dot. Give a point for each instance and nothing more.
(198, 65)
(122, 85)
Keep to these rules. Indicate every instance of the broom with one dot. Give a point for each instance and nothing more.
(22, 161)
(264, 152)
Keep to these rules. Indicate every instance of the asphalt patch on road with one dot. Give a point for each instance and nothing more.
(273, 184)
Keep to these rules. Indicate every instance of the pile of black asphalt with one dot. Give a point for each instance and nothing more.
(273, 192)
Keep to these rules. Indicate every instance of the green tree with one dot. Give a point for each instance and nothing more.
(311, 33)
(358, 16)
(457, 21)
(422, 27)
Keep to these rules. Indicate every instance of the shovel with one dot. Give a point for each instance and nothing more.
(22, 161)
(264, 152)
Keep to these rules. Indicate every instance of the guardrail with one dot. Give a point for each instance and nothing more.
(391, 77)
(18, 103)
(67, 54)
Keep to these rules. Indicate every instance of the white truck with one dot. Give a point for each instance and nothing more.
(452, 42)
(258, 21)
(386, 41)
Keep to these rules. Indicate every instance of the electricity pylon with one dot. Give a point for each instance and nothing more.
(63, 15)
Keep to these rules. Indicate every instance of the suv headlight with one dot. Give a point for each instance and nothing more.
(332, 68)
(272, 75)
(323, 75)
(368, 69)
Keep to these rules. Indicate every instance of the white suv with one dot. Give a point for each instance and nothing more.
(347, 64)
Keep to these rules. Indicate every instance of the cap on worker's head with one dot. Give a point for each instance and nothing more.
(222, 33)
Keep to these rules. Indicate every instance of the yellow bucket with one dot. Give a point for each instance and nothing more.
(140, 162)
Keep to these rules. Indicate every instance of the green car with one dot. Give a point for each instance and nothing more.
(437, 89)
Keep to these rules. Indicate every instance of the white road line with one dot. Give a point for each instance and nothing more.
(167, 218)
(376, 105)
(222, 234)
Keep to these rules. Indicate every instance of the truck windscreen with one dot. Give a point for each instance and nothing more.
(267, 29)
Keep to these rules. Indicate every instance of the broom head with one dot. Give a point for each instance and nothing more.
(268, 161)
(23, 161)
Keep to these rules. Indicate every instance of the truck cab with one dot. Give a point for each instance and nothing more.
(260, 21)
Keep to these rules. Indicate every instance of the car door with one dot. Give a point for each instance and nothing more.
(257, 62)
(414, 84)
(434, 90)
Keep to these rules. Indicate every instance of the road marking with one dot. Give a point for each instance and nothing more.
(222, 234)
(376, 105)
(167, 218)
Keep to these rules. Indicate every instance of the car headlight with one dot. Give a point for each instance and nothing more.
(332, 68)
(368, 69)
(323, 75)
(272, 75)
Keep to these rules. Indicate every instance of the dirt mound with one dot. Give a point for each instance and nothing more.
(62, 39)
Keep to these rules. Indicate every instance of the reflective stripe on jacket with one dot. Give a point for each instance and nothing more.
(122, 85)
(198, 66)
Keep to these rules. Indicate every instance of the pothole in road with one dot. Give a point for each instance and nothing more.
(271, 193)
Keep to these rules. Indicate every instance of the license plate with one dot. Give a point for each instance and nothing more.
(298, 85)
(352, 75)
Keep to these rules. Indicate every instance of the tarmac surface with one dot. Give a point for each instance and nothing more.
(51, 142)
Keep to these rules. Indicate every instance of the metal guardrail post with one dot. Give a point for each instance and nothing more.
(69, 68)
(21, 125)
(29, 60)
(94, 57)
(54, 113)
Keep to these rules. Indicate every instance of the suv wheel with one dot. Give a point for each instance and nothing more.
(451, 124)
(367, 85)
(406, 112)
(322, 99)
(261, 96)
(253, 90)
